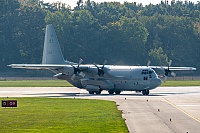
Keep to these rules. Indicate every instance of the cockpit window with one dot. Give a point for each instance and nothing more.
(146, 72)
(150, 72)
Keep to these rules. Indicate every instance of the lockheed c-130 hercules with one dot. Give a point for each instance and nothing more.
(96, 78)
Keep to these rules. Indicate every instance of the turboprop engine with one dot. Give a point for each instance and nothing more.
(65, 73)
(92, 71)
(67, 70)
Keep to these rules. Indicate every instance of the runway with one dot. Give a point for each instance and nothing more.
(166, 109)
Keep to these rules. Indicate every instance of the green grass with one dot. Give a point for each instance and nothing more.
(175, 83)
(63, 83)
(62, 115)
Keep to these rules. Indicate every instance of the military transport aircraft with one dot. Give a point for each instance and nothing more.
(95, 78)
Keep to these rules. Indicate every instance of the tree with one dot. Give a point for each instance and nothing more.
(8, 15)
(30, 34)
(135, 37)
(158, 57)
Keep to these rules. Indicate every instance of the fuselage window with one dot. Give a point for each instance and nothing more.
(145, 78)
(135, 83)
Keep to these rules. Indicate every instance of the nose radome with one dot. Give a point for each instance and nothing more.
(156, 81)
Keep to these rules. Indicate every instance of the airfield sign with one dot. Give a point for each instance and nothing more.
(9, 103)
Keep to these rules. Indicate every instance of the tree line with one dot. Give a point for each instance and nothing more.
(122, 34)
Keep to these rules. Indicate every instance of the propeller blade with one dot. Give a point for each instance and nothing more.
(165, 78)
(73, 76)
(105, 61)
(82, 74)
(173, 74)
(148, 63)
(169, 63)
(80, 61)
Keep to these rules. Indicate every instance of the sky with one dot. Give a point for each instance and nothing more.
(72, 3)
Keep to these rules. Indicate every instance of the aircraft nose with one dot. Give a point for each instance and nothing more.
(156, 81)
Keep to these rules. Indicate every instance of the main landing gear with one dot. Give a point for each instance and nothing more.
(145, 92)
(96, 92)
(111, 92)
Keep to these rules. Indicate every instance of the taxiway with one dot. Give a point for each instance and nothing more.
(166, 109)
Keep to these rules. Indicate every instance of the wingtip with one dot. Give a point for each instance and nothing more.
(10, 65)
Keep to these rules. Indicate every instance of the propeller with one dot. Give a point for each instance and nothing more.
(100, 69)
(76, 69)
(167, 71)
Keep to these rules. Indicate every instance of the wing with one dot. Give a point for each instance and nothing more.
(174, 68)
(71, 69)
(181, 68)
(39, 66)
(164, 71)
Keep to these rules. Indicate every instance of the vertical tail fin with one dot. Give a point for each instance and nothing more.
(52, 53)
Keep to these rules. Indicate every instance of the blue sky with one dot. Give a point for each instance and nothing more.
(72, 3)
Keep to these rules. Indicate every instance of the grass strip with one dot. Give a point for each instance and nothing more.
(174, 83)
(62, 115)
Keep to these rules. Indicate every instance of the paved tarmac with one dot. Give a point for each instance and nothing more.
(166, 109)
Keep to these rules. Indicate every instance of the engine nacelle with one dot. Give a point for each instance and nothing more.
(67, 70)
(92, 71)
(61, 76)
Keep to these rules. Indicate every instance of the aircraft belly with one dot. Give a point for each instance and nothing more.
(130, 85)
(103, 84)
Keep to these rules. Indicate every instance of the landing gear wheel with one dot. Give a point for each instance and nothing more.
(145, 92)
(98, 92)
(111, 92)
(91, 92)
(117, 92)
